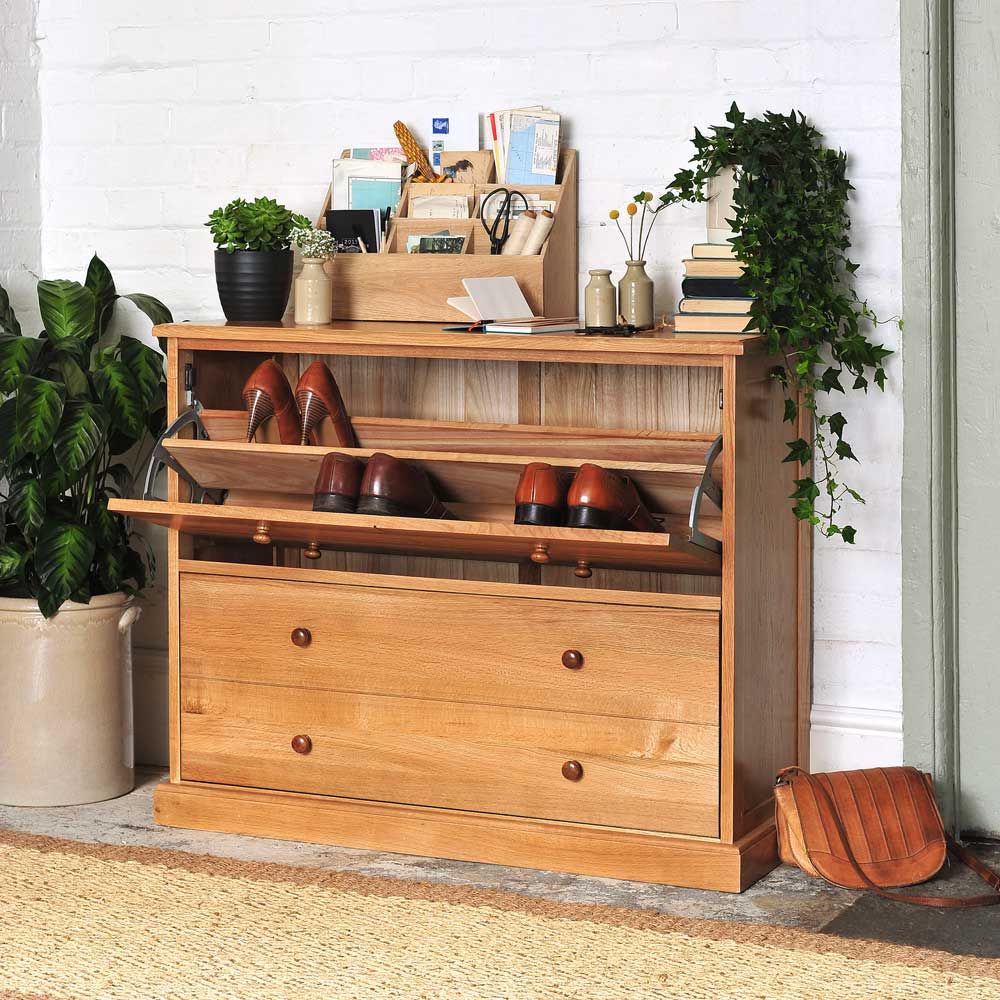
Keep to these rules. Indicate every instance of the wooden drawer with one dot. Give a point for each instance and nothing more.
(637, 661)
(637, 773)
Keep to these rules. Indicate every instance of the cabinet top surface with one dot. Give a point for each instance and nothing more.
(431, 339)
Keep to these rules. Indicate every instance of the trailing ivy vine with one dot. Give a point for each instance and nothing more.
(792, 232)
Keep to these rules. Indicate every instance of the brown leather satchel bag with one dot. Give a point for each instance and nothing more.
(870, 829)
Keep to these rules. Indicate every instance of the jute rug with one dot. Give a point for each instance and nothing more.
(85, 921)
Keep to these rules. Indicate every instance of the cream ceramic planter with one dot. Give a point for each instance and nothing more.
(66, 702)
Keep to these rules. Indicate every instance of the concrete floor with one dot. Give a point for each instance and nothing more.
(785, 897)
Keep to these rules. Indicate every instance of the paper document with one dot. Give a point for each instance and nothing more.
(497, 298)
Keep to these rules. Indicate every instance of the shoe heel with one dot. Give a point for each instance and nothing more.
(334, 503)
(538, 514)
(259, 407)
(592, 517)
(381, 507)
(312, 409)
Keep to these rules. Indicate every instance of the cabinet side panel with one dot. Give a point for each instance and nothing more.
(766, 592)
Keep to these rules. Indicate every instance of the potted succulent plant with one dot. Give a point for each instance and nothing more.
(75, 400)
(253, 259)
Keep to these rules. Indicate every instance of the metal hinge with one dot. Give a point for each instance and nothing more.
(720, 399)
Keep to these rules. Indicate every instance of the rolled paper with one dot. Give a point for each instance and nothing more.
(519, 230)
(539, 234)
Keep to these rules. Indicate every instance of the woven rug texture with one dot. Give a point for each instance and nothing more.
(95, 922)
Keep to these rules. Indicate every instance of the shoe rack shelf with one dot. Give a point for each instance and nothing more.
(613, 703)
(477, 487)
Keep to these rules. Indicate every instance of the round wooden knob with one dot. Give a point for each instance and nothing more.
(301, 637)
(572, 770)
(262, 536)
(583, 570)
(572, 659)
(302, 744)
(312, 551)
(540, 553)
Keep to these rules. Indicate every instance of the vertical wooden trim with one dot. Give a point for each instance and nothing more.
(930, 585)
(804, 615)
(728, 800)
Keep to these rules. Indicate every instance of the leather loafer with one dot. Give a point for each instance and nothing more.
(394, 488)
(268, 394)
(338, 484)
(318, 396)
(540, 497)
(600, 498)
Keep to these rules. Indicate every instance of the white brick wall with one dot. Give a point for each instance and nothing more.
(20, 133)
(155, 112)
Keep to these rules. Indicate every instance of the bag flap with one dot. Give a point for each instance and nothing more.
(890, 818)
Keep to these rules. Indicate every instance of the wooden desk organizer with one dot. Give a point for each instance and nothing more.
(395, 285)
(607, 702)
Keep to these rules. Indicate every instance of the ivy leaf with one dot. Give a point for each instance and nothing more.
(81, 432)
(798, 451)
(843, 450)
(26, 504)
(68, 309)
(837, 422)
(830, 380)
(18, 356)
(39, 409)
(13, 557)
(805, 489)
(791, 411)
(63, 554)
(848, 534)
(146, 366)
(102, 286)
(122, 397)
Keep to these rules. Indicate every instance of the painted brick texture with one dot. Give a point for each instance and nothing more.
(153, 113)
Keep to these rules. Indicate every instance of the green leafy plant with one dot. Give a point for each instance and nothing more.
(75, 400)
(792, 232)
(261, 224)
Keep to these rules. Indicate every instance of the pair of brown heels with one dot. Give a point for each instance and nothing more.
(267, 394)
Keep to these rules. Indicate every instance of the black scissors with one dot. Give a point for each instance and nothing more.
(498, 233)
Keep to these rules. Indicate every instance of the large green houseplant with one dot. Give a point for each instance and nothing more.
(76, 400)
(791, 230)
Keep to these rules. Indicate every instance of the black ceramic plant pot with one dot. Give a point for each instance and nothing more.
(253, 284)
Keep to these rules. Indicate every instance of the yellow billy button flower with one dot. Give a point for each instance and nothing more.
(631, 208)
(613, 213)
(649, 196)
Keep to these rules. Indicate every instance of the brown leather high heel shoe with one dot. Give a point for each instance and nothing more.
(318, 396)
(268, 394)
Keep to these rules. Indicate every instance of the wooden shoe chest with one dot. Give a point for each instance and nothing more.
(602, 702)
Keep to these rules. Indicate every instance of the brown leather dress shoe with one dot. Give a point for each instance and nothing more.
(338, 484)
(318, 396)
(395, 488)
(600, 498)
(268, 394)
(540, 497)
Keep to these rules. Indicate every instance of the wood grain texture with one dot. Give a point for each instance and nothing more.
(469, 539)
(637, 773)
(444, 585)
(766, 593)
(641, 662)
(466, 836)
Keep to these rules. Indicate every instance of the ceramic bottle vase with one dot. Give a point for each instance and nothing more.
(635, 295)
(313, 294)
(599, 299)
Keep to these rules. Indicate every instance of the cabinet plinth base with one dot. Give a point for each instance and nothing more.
(467, 836)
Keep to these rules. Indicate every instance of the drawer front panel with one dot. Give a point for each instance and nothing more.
(642, 662)
(635, 773)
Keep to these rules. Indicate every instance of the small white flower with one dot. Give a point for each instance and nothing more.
(314, 243)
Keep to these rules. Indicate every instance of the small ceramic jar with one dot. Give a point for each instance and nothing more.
(599, 299)
(313, 294)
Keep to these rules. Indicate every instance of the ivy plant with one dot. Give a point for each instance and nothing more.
(261, 224)
(791, 230)
(75, 400)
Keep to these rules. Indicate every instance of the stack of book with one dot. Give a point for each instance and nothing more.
(714, 304)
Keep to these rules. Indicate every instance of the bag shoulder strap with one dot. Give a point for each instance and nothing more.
(986, 873)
